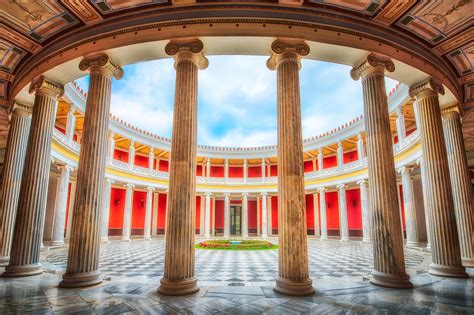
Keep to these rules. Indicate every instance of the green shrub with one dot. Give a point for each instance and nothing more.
(244, 245)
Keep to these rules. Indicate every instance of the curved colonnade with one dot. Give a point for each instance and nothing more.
(445, 199)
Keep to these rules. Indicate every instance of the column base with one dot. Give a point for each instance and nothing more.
(448, 271)
(126, 239)
(12, 271)
(324, 238)
(388, 280)
(366, 240)
(466, 262)
(344, 239)
(294, 287)
(413, 244)
(79, 280)
(147, 238)
(56, 243)
(4, 260)
(178, 287)
(104, 241)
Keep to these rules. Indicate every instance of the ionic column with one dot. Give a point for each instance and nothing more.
(245, 171)
(70, 123)
(340, 155)
(127, 212)
(389, 264)
(83, 257)
(61, 206)
(207, 216)
(446, 252)
(29, 223)
(72, 199)
(12, 172)
(426, 201)
(344, 225)
(264, 215)
(131, 155)
(364, 202)
(105, 211)
(461, 183)
(293, 276)
(263, 170)
(317, 228)
(245, 215)
(400, 122)
(226, 215)
(226, 169)
(111, 148)
(213, 221)
(154, 223)
(179, 264)
(360, 147)
(409, 206)
(149, 201)
(269, 216)
(208, 168)
(322, 209)
(320, 160)
(151, 160)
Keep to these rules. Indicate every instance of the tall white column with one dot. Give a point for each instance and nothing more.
(245, 171)
(70, 123)
(105, 212)
(263, 169)
(269, 215)
(149, 201)
(259, 232)
(110, 147)
(340, 155)
(71, 208)
(207, 216)
(317, 228)
(154, 222)
(213, 219)
(343, 223)
(226, 215)
(245, 216)
(208, 168)
(322, 209)
(131, 155)
(61, 206)
(264, 216)
(226, 169)
(364, 202)
(400, 122)
(127, 213)
(320, 160)
(151, 159)
(412, 238)
(426, 205)
(360, 147)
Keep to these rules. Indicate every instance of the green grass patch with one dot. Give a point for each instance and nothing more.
(229, 245)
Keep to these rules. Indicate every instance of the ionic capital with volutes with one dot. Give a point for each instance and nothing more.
(405, 169)
(372, 64)
(22, 110)
(363, 182)
(287, 49)
(150, 189)
(426, 88)
(322, 190)
(188, 49)
(42, 86)
(451, 112)
(102, 64)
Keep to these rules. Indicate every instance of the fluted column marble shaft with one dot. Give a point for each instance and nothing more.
(105, 212)
(389, 264)
(207, 216)
(178, 278)
(61, 206)
(364, 202)
(343, 223)
(226, 215)
(264, 216)
(426, 200)
(29, 223)
(127, 212)
(409, 207)
(245, 215)
(461, 184)
(445, 249)
(83, 256)
(317, 228)
(149, 200)
(322, 209)
(12, 172)
(293, 276)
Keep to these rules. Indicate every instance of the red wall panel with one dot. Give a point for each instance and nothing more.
(236, 172)
(275, 212)
(309, 211)
(141, 160)
(219, 214)
(217, 171)
(138, 210)
(254, 171)
(252, 214)
(120, 155)
(409, 132)
(61, 130)
(329, 161)
(117, 204)
(332, 210)
(199, 170)
(354, 211)
(350, 156)
(274, 170)
(164, 166)
(308, 166)
(198, 212)
(161, 211)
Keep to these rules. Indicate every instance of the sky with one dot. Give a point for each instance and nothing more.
(237, 99)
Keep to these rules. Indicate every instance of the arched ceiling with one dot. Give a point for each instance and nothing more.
(36, 36)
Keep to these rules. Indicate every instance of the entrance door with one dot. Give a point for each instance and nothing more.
(235, 220)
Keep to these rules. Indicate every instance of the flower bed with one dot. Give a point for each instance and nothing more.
(236, 245)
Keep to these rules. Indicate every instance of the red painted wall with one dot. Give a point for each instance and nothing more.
(61, 130)
(121, 155)
(217, 171)
(198, 212)
(350, 156)
(329, 161)
(409, 132)
(274, 170)
(274, 212)
(161, 211)
(236, 172)
(164, 166)
(354, 211)
(308, 166)
(252, 214)
(199, 170)
(254, 171)
(141, 160)
(332, 210)
(310, 211)
(402, 205)
(138, 210)
(219, 214)
(117, 205)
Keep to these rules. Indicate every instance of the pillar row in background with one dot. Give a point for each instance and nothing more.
(149, 201)
(293, 275)
(446, 252)
(83, 255)
(127, 212)
(344, 224)
(105, 215)
(364, 203)
(179, 267)
(61, 206)
(12, 172)
(28, 231)
(412, 234)
(389, 264)
(207, 216)
(322, 208)
(245, 215)
(226, 215)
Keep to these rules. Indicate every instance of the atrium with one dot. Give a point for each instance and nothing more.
(334, 177)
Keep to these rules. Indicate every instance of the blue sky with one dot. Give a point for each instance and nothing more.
(237, 99)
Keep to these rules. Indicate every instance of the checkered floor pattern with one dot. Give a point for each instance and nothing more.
(326, 259)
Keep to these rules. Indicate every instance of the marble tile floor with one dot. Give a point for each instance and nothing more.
(135, 292)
